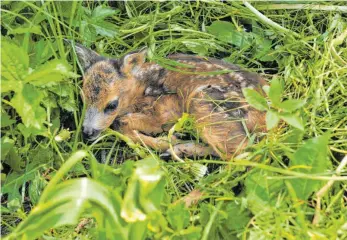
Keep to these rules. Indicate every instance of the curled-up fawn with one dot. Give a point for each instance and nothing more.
(142, 99)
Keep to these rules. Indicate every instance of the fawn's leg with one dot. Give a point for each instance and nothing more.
(139, 126)
(217, 127)
(136, 126)
(192, 149)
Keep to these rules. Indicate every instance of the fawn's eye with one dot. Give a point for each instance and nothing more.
(111, 106)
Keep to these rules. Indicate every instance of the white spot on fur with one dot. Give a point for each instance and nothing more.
(218, 87)
(155, 67)
(231, 94)
(148, 90)
(115, 98)
(209, 66)
(199, 89)
(236, 76)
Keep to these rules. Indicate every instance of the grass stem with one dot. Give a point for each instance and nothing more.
(268, 21)
(302, 7)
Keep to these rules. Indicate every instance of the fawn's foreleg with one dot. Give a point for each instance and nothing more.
(191, 149)
(138, 127)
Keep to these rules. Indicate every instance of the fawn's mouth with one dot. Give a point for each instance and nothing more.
(90, 139)
(91, 134)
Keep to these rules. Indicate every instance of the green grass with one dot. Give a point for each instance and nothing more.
(289, 185)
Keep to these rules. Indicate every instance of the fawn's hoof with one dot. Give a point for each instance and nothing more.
(166, 156)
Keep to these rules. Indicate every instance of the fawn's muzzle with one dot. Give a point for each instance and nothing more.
(90, 133)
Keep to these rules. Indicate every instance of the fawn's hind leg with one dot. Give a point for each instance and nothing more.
(226, 139)
(224, 134)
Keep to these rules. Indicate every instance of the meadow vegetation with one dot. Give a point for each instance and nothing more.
(291, 182)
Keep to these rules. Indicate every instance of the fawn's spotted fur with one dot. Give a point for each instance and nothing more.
(142, 99)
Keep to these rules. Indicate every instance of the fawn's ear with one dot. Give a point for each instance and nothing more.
(86, 57)
(132, 61)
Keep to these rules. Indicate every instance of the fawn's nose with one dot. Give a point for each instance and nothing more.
(90, 133)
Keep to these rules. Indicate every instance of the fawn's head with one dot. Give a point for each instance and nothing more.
(109, 87)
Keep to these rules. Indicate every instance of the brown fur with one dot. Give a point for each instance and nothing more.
(151, 97)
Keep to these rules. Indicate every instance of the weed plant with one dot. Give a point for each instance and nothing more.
(290, 184)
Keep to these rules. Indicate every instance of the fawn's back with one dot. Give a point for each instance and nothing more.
(211, 91)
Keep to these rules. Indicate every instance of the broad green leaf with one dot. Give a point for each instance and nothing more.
(31, 130)
(10, 85)
(87, 12)
(14, 63)
(291, 105)
(66, 7)
(14, 160)
(39, 155)
(74, 195)
(238, 216)
(137, 230)
(178, 216)
(94, 23)
(255, 99)
(35, 188)
(62, 89)
(6, 120)
(294, 136)
(15, 180)
(261, 191)
(272, 119)
(127, 169)
(101, 12)
(50, 100)
(313, 157)
(293, 120)
(105, 29)
(197, 47)
(88, 32)
(263, 51)
(14, 201)
(68, 103)
(275, 92)
(27, 105)
(50, 73)
(42, 51)
(263, 42)
(226, 31)
(6, 145)
(144, 193)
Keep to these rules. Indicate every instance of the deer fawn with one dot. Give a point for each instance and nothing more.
(143, 99)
